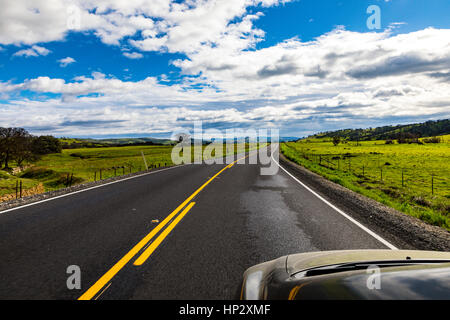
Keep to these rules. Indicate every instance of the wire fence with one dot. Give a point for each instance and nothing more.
(384, 170)
(17, 189)
(106, 173)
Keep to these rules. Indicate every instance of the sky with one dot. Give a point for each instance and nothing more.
(135, 68)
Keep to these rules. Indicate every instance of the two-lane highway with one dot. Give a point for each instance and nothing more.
(214, 221)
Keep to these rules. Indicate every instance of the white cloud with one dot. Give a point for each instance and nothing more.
(66, 61)
(34, 51)
(163, 24)
(341, 78)
(133, 55)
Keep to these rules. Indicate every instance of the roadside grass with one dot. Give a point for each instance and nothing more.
(412, 178)
(8, 183)
(54, 171)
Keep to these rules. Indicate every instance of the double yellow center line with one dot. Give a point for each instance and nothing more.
(96, 287)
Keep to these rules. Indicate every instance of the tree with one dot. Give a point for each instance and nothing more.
(11, 140)
(17, 144)
(336, 140)
(45, 145)
(23, 150)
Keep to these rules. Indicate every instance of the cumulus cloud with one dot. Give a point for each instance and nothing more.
(340, 78)
(133, 55)
(158, 25)
(66, 61)
(34, 51)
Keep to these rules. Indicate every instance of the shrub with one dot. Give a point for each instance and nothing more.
(336, 140)
(432, 140)
(421, 201)
(46, 145)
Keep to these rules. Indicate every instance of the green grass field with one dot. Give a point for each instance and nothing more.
(411, 178)
(53, 170)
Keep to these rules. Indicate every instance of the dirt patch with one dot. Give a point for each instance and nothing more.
(25, 193)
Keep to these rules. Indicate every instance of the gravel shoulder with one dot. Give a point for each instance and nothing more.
(404, 231)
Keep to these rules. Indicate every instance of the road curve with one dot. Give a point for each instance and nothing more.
(185, 233)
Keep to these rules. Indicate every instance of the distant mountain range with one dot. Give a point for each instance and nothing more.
(268, 139)
(417, 130)
(72, 143)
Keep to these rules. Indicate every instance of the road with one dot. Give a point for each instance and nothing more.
(213, 222)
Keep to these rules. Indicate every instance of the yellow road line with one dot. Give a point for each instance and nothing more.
(96, 287)
(148, 252)
(295, 291)
(106, 288)
(92, 291)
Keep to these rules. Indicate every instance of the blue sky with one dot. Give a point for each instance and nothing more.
(149, 68)
(294, 19)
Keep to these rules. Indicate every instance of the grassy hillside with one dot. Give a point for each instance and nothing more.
(426, 129)
(412, 178)
(72, 143)
(87, 164)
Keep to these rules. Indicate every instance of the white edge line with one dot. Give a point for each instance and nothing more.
(91, 188)
(99, 186)
(373, 234)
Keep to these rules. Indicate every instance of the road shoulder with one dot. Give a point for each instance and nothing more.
(49, 195)
(404, 231)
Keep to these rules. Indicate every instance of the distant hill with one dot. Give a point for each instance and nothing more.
(266, 139)
(72, 143)
(417, 130)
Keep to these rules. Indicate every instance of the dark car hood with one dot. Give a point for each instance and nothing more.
(299, 262)
(419, 282)
(404, 275)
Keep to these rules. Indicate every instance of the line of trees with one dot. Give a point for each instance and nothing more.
(403, 132)
(18, 145)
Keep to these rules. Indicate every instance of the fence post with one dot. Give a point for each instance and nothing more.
(17, 188)
(100, 174)
(432, 184)
(21, 188)
(403, 180)
(381, 170)
(145, 161)
(115, 171)
(71, 180)
(95, 176)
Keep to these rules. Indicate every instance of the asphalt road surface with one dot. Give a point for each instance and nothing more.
(186, 232)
